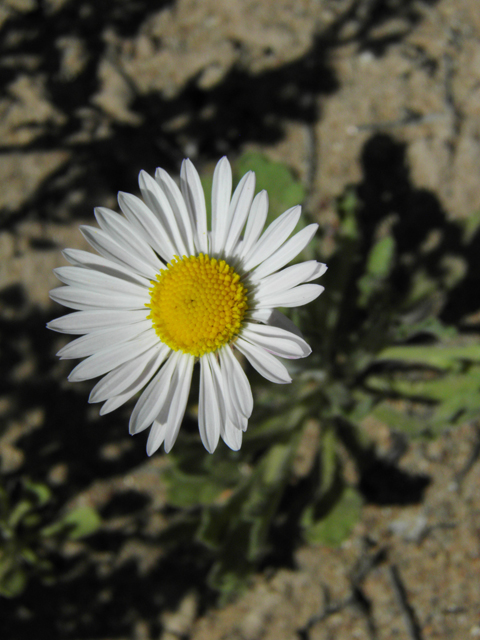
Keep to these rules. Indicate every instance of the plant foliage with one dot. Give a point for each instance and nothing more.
(383, 350)
(380, 351)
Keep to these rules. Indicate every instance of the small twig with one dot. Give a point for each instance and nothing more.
(431, 528)
(355, 598)
(329, 609)
(364, 605)
(365, 564)
(408, 614)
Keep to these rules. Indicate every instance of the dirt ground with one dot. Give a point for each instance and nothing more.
(91, 94)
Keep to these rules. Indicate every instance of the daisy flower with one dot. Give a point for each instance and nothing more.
(165, 292)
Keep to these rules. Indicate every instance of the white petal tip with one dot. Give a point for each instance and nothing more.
(92, 398)
(209, 448)
(223, 160)
(106, 408)
(153, 444)
(132, 429)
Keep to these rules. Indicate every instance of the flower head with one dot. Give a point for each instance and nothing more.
(165, 292)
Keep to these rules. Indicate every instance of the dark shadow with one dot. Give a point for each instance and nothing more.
(97, 593)
(242, 108)
(387, 191)
(424, 241)
(124, 504)
(371, 23)
(381, 481)
(95, 600)
(463, 300)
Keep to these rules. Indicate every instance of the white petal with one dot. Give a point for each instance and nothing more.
(102, 339)
(295, 297)
(159, 355)
(290, 277)
(210, 406)
(320, 271)
(126, 236)
(267, 365)
(285, 254)
(195, 200)
(260, 315)
(255, 222)
(160, 205)
(242, 423)
(156, 436)
(240, 212)
(127, 374)
(179, 208)
(85, 321)
(231, 414)
(107, 359)
(237, 384)
(80, 258)
(272, 238)
(178, 404)
(146, 222)
(277, 341)
(83, 299)
(278, 319)
(113, 403)
(110, 249)
(231, 435)
(98, 281)
(236, 194)
(221, 193)
(153, 398)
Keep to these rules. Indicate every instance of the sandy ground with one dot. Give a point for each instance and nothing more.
(94, 92)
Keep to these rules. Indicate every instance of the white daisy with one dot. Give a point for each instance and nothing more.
(165, 292)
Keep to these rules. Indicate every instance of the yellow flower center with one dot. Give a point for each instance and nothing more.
(197, 304)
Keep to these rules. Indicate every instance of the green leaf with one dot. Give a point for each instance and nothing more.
(436, 355)
(81, 522)
(378, 267)
(337, 525)
(188, 490)
(381, 257)
(348, 205)
(194, 479)
(400, 420)
(19, 512)
(471, 224)
(284, 191)
(12, 582)
(41, 491)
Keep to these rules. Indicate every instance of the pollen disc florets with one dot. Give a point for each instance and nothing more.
(197, 304)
